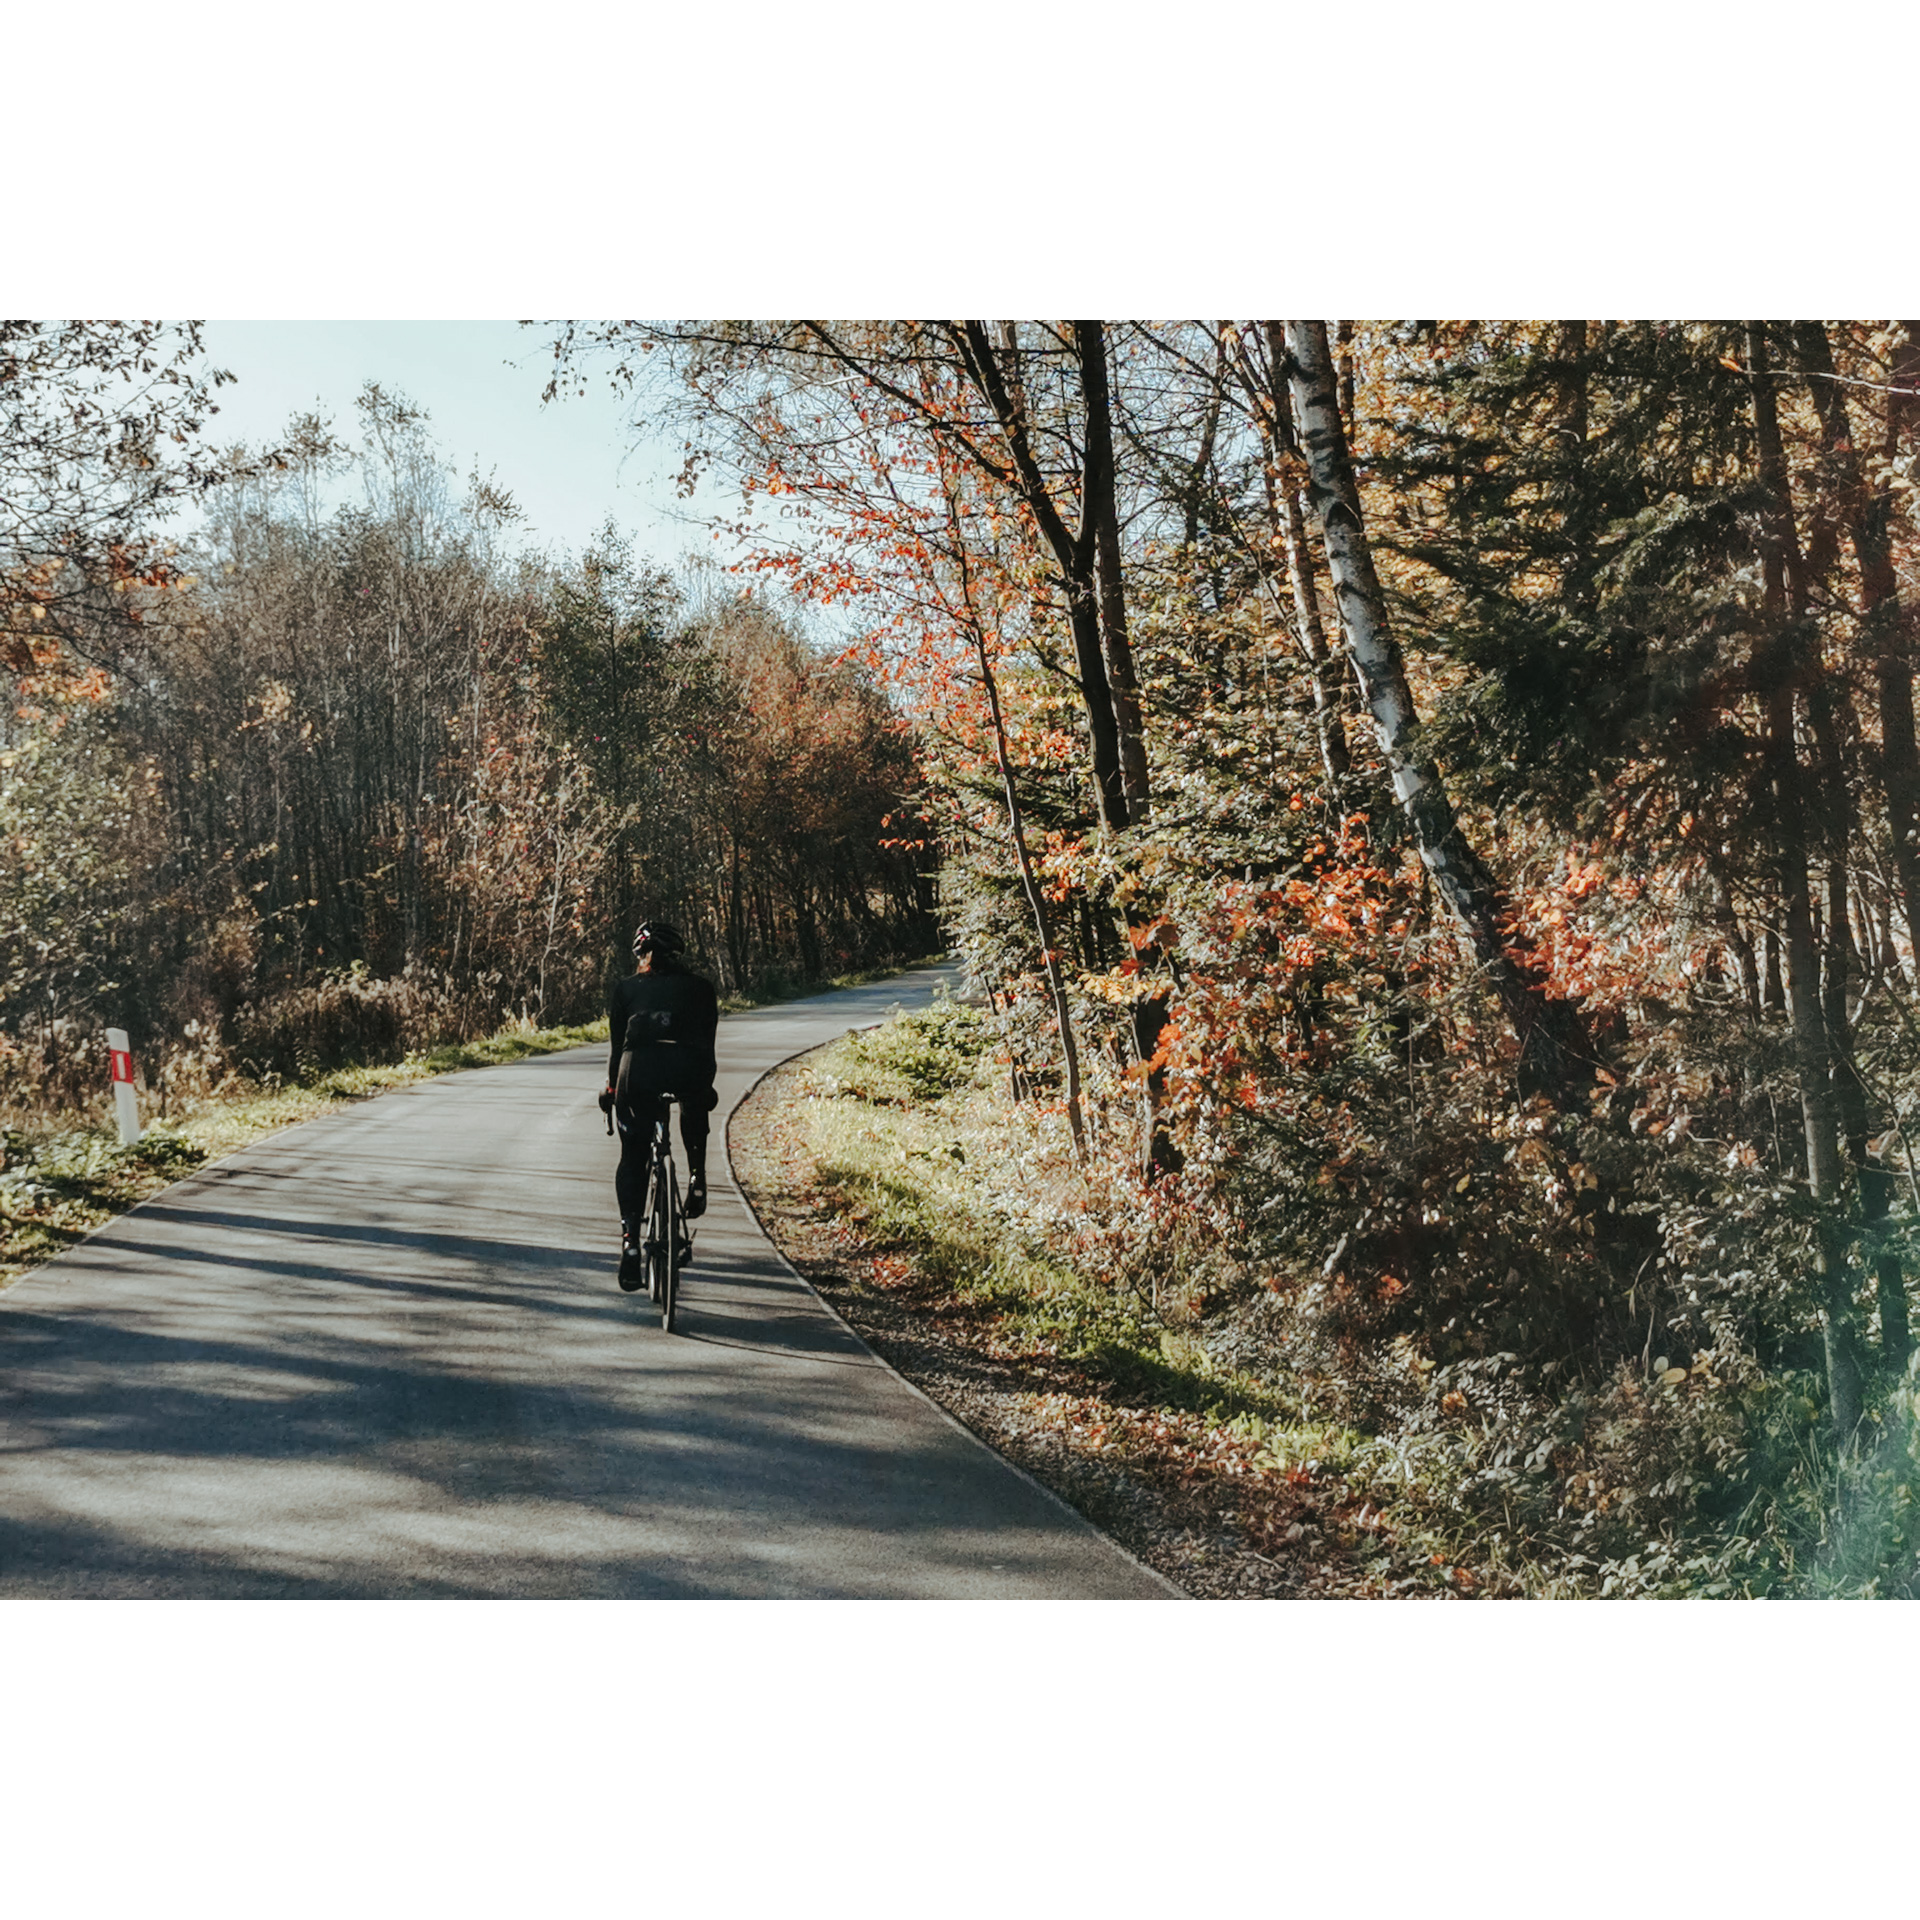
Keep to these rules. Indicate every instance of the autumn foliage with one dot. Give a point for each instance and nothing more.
(326, 783)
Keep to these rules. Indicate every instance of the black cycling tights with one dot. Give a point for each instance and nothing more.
(636, 1118)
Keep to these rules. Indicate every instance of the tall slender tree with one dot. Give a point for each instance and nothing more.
(1555, 1056)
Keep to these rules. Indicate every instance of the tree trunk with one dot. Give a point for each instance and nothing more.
(1555, 1057)
(1197, 484)
(1779, 668)
(1776, 992)
(1037, 903)
(1074, 556)
(1883, 627)
(1017, 827)
(1088, 558)
(1100, 517)
(1884, 630)
(1290, 522)
(1572, 344)
(1739, 941)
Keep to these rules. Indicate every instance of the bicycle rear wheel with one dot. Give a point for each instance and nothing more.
(670, 1254)
(650, 1239)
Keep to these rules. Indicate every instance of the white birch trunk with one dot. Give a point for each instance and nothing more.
(1552, 1053)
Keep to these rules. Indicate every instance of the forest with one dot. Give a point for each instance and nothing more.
(1431, 810)
(315, 784)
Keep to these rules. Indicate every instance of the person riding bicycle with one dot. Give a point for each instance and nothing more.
(661, 1023)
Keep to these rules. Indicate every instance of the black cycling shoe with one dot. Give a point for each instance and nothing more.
(696, 1196)
(633, 1270)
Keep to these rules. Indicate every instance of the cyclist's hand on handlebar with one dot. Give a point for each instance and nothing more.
(606, 1099)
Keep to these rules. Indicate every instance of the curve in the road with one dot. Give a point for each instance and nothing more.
(383, 1354)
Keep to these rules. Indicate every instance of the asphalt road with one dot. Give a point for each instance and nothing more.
(383, 1355)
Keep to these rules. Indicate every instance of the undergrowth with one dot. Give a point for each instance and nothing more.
(1688, 1473)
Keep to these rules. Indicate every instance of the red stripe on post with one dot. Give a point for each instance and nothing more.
(122, 1066)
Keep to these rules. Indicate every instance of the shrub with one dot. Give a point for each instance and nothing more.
(917, 1056)
(354, 1018)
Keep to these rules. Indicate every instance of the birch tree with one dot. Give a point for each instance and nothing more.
(1555, 1058)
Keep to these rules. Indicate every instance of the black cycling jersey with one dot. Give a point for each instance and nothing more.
(667, 1018)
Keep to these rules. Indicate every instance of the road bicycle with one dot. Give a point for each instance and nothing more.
(666, 1245)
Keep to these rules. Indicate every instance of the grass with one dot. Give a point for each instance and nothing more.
(903, 1171)
(907, 1134)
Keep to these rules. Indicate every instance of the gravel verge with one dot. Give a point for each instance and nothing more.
(1042, 1412)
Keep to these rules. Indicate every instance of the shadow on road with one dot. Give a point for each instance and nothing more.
(298, 1465)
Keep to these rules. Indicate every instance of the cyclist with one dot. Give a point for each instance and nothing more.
(661, 1024)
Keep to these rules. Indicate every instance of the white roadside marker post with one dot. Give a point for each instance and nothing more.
(126, 1108)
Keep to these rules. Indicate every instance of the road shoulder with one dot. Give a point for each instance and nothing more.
(1038, 1416)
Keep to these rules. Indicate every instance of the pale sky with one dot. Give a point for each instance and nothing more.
(568, 465)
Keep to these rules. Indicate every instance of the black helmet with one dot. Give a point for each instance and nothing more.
(655, 936)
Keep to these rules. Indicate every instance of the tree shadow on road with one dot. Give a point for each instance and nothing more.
(292, 1447)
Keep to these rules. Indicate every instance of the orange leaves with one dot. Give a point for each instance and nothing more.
(1576, 930)
(1329, 919)
(1345, 906)
(91, 685)
(45, 673)
(1062, 862)
(1121, 986)
(129, 567)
